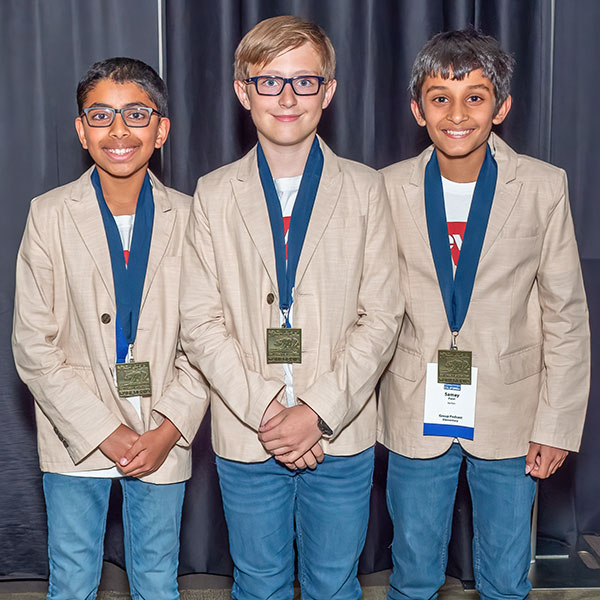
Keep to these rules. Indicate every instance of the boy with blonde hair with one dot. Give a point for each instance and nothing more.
(290, 307)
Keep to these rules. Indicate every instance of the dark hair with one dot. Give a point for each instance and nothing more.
(125, 70)
(455, 54)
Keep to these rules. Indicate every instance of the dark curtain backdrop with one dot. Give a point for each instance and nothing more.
(48, 44)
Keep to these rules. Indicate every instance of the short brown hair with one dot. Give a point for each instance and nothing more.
(271, 37)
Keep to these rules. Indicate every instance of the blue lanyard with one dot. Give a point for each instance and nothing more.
(286, 275)
(128, 279)
(456, 291)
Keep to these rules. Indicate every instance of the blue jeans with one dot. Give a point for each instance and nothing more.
(77, 508)
(420, 497)
(325, 511)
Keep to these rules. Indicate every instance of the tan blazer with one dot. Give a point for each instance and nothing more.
(64, 331)
(527, 324)
(346, 303)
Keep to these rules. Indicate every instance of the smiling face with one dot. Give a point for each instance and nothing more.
(459, 116)
(121, 152)
(287, 120)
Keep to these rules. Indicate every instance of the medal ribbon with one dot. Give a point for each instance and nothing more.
(128, 278)
(456, 291)
(286, 275)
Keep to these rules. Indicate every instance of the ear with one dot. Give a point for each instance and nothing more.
(330, 88)
(80, 129)
(416, 111)
(162, 133)
(503, 111)
(241, 91)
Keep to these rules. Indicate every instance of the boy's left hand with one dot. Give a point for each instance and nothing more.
(149, 452)
(291, 433)
(542, 461)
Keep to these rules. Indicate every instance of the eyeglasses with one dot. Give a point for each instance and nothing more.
(133, 116)
(272, 85)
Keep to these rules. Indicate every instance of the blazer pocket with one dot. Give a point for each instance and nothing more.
(406, 363)
(519, 231)
(521, 364)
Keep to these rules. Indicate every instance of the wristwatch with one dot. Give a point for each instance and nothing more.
(323, 427)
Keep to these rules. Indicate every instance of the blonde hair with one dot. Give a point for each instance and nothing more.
(271, 37)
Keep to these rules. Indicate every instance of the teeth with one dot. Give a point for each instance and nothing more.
(461, 133)
(120, 151)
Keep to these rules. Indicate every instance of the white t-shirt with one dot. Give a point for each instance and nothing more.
(287, 191)
(457, 201)
(125, 227)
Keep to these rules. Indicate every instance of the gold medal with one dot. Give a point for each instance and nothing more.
(454, 366)
(133, 379)
(284, 345)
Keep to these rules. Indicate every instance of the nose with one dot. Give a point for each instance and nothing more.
(118, 128)
(457, 113)
(287, 97)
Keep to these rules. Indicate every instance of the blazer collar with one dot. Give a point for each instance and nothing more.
(84, 209)
(250, 199)
(507, 191)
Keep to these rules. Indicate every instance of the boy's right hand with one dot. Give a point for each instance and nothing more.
(118, 442)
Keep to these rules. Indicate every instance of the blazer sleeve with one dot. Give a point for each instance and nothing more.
(337, 396)
(204, 335)
(80, 419)
(185, 400)
(562, 406)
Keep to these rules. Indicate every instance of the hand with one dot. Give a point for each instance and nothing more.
(118, 443)
(150, 450)
(310, 460)
(273, 409)
(543, 461)
(291, 433)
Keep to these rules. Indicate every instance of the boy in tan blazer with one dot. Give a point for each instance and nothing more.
(492, 363)
(97, 288)
(292, 328)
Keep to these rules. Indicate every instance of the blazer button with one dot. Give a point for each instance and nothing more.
(270, 298)
(105, 318)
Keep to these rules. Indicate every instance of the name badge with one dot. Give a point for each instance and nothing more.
(454, 366)
(133, 379)
(284, 345)
(449, 407)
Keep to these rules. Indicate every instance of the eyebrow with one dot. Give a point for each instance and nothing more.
(436, 88)
(128, 105)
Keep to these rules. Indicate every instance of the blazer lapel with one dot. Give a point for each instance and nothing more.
(251, 203)
(507, 191)
(85, 212)
(162, 228)
(414, 192)
(327, 198)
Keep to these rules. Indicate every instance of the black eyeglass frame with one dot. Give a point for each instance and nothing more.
(285, 81)
(120, 111)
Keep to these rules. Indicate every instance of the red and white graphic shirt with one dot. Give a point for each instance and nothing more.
(287, 191)
(457, 201)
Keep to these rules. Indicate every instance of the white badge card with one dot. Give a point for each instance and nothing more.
(449, 407)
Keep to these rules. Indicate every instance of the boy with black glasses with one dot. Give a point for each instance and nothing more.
(96, 339)
(290, 307)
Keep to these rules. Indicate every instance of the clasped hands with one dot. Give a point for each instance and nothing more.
(291, 435)
(139, 455)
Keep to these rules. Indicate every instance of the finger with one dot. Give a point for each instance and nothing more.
(269, 436)
(133, 451)
(310, 460)
(276, 447)
(530, 459)
(273, 422)
(300, 463)
(138, 463)
(318, 452)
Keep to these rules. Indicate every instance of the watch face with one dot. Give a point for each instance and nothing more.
(323, 427)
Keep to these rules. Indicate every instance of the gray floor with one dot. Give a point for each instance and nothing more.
(212, 587)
